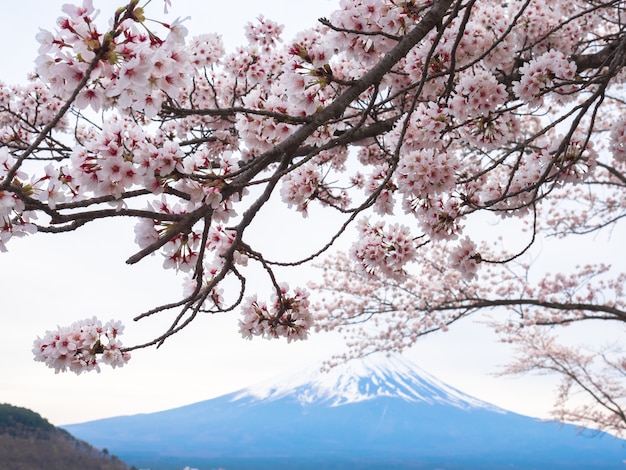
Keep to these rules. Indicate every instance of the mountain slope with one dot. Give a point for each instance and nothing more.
(28, 442)
(374, 413)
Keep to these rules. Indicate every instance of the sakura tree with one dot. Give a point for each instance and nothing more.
(415, 121)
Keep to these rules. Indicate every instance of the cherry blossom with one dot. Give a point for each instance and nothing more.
(618, 140)
(385, 251)
(77, 347)
(465, 258)
(287, 315)
(550, 72)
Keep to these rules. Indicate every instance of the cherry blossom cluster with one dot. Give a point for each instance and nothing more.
(13, 220)
(577, 162)
(384, 252)
(618, 140)
(220, 240)
(439, 216)
(428, 125)
(426, 173)
(394, 18)
(206, 50)
(477, 94)
(135, 69)
(8, 201)
(465, 258)
(288, 315)
(82, 346)
(550, 72)
(300, 186)
(263, 33)
(385, 202)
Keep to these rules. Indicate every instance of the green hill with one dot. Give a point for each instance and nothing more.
(30, 442)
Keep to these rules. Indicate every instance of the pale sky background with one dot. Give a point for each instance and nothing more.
(49, 280)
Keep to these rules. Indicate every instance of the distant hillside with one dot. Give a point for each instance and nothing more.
(30, 442)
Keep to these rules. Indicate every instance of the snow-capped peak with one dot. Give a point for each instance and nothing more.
(377, 375)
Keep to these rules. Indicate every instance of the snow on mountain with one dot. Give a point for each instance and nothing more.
(374, 376)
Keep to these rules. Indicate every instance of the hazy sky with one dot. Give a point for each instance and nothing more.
(54, 280)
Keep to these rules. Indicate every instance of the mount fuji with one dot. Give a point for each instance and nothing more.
(381, 412)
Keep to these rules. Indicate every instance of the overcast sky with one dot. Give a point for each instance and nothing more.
(55, 280)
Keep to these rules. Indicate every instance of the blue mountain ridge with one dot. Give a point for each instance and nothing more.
(376, 413)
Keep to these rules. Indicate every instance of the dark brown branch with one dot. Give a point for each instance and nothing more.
(596, 60)
(227, 112)
(475, 304)
(328, 24)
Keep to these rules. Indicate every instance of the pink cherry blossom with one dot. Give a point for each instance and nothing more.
(383, 251)
(550, 72)
(82, 346)
(287, 315)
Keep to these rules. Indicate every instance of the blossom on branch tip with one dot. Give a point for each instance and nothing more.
(465, 258)
(550, 72)
(380, 251)
(288, 316)
(618, 140)
(82, 346)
